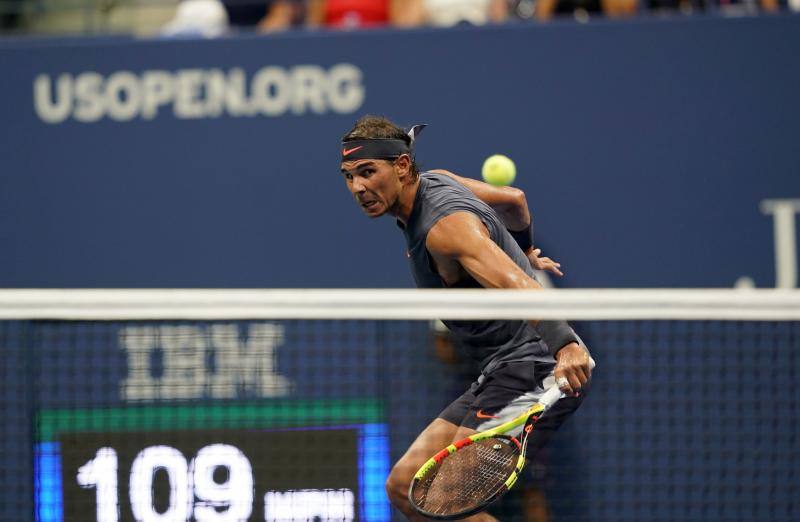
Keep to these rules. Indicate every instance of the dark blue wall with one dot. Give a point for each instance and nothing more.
(645, 149)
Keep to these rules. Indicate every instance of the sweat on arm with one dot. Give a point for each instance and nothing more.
(461, 241)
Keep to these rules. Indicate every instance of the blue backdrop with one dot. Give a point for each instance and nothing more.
(645, 149)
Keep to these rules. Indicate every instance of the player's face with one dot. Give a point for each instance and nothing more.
(374, 184)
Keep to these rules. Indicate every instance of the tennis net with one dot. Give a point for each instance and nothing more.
(292, 405)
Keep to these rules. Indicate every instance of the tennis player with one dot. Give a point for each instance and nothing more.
(455, 239)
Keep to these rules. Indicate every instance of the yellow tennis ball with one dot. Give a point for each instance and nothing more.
(499, 170)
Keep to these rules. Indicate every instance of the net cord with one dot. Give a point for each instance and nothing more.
(401, 304)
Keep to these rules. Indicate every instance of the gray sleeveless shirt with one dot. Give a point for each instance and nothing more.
(487, 342)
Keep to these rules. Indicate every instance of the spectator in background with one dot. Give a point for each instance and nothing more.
(583, 9)
(744, 7)
(357, 14)
(667, 7)
(724, 7)
(206, 18)
(10, 14)
(265, 15)
(544, 10)
(446, 13)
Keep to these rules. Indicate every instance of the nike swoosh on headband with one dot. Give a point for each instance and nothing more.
(346, 152)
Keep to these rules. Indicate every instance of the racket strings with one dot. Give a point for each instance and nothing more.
(469, 477)
(489, 476)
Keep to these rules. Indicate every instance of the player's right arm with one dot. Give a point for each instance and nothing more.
(461, 241)
(511, 206)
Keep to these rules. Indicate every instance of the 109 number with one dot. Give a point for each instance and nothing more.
(193, 489)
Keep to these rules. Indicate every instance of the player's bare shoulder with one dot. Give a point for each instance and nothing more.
(456, 234)
(448, 242)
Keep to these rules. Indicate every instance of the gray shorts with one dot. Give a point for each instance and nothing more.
(506, 393)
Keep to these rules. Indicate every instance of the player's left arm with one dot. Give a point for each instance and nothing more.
(463, 239)
(511, 206)
(509, 203)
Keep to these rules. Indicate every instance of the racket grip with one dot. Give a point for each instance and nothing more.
(553, 394)
(550, 397)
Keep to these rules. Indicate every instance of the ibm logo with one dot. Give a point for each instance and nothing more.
(202, 361)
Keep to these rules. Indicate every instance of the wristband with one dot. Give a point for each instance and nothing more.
(524, 238)
(556, 334)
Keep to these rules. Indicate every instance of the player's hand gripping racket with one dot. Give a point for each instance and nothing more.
(468, 475)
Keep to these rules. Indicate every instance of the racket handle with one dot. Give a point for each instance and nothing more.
(550, 397)
(553, 394)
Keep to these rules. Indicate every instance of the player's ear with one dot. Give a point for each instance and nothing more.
(402, 166)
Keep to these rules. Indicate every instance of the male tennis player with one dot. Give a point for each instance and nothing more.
(457, 240)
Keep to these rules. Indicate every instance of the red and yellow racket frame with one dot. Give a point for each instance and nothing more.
(528, 418)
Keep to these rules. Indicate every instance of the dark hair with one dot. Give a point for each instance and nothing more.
(369, 127)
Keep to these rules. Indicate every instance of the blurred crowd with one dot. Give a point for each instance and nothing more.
(216, 17)
(219, 16)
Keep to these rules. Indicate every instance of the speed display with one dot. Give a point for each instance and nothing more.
(274, 461)
(211, 475)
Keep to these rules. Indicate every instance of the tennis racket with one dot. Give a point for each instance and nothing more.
(468, 475)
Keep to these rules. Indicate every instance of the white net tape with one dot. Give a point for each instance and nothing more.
(401, 304)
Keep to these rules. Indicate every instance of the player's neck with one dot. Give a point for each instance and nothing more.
(405, 202)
